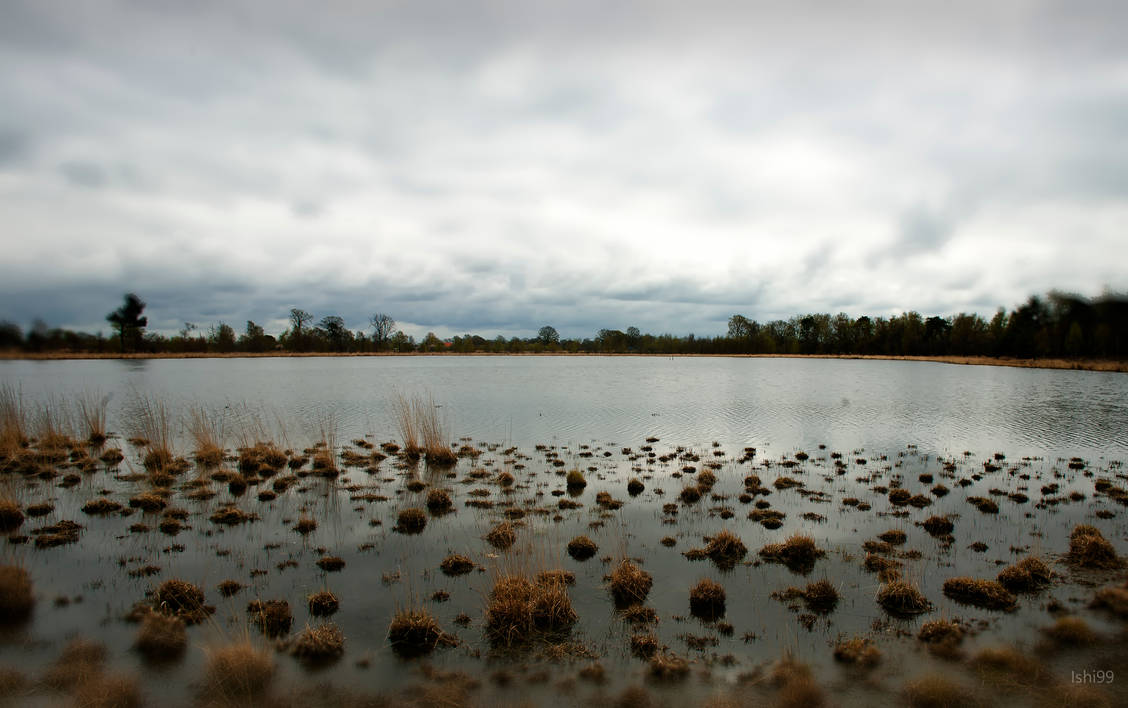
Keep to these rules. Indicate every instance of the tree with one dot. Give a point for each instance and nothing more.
(298, 320)
(127, 319)
(335, 331)
(253, 339)
(382, 326)
(548, 336)
(222, 338)
(740, 327)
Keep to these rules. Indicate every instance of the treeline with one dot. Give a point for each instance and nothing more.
(1057, 325)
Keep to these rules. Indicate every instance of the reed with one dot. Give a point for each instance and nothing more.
(92, 410)
(207, 436)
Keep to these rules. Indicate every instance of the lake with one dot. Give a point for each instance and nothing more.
(846, 432)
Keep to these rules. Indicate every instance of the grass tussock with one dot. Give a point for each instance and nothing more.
(207, 436)
(581, 548)
(415, 632)
(502, 536)
(148, 419)
(318, 645)
(629, 584)
(667, 667)
(80, 660)
(92, 412)
(411, 521)
(109, 690)
(1113, 600)
(795, 685)
(438, 501)
(13, 422)
(323, 603)
(1089, 549)
(520, 610)
(456, 564)
(11, 516)
(273, 617)
(1026, 575)
(725, 549)
(938, 525)
(902, 599)
(986, 594)
(857, 651)
(16, 597)
(422, 430)
(238, 673)
(707, 600)
(820, 596)
(938, 691)
(798, 553)
(1070, 631)
(182, 599)
(161, 637)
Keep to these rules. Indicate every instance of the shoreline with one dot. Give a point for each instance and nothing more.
(1055, 363)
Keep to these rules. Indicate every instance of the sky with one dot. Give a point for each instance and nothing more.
(492, 167)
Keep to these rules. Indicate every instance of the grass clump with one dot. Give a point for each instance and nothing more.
(629, 584)
(109, 690)
(575, 480)
(938, 525)
(414, 632)
(100, 507)
(1113, 600)
(858, 651)
(581, 548)
(323, 603)
(635, 487)
(519, 609)
(305, 525)
(238, 673)
(690, 494)
(207, 437)
(707, 600)
(438, 501)
(986, 594)
(16, 598)
(182, 599)
(502, 536)
(456, 564)
(411, 521)
(1089, 549)
(798, 553)
(902, 599)
(11, 516)
(667, 667)
(92, 411)
(161, 637)
(422, 430)
(318, 645)
(937, 691)
(820, 596)
(1028, 574)
(273, 617)
(1070, 631)
(725, 549)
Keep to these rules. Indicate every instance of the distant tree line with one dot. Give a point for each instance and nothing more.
(1058, 325)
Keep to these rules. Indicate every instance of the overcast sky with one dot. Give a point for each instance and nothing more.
(491, 167)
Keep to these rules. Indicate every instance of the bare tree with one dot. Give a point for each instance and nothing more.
(382, 326)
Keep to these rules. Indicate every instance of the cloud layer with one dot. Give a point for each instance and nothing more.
(494, 166)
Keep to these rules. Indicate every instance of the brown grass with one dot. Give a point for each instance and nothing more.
(502, 536)
(273, 617)
(411, 521)
(414, 632)
(323, 603)
(798, 553)
(149, 419)
(581, 548)
(725, 549)
(320, 644)
(668, 667)
(182, 599)
(161, 637)
(1028, 574)
(79, 661)
(207, 437)
(11, 516)
(438, 501)
(902, 599)
(1089, 549)
(1112, 599)
(936, 691)
(858, 651)
(456, 564)
(238, 673)
(629, 584)
(820, 596)
(986, 594)
(1070, 631)
(16, 598)
(422, 430)
(110, 690)
(707, 600)
(92, 411)
(520, 610)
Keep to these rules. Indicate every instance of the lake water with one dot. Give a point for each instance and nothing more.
(891, 422)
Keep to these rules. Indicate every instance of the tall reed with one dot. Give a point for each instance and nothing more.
(206, 431)
(148, 419)
(92, 410)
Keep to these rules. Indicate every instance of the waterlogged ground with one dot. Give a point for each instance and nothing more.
(843, 498)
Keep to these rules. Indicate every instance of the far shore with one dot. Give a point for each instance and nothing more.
(1075, 364)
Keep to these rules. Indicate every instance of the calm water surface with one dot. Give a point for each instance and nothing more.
(893, 421)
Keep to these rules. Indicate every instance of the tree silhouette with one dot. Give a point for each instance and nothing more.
(382, 326)
(127, 319)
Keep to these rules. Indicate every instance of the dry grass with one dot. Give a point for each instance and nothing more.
(161, 637)
(987, 594)
(629, 584)
(320, 644)
(798, 553)
(936, 691)
(11, 516)
(273, 617)
(80, 660)
(902, 599)
(456, 564)
(707, 600)
(1070, 631)
(181, 598)
(502, 536)
(1113, 600)
(109, 690)
(668, 667)
(520, 610)
(422, 430)
(92, 412)
(1027, 574)
(13, 421)
(725, 549)
(149, 419)
(438, 501)
(581, 548)
(1089, 549)
(16, 597)
(414, 632)
(795, 686)
(411, 521)
(938, 525)
(858, 651)
(820, 596)
(323, 603)
(207, 436)
(237, 673)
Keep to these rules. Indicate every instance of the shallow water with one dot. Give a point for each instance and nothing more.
(889, 421)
